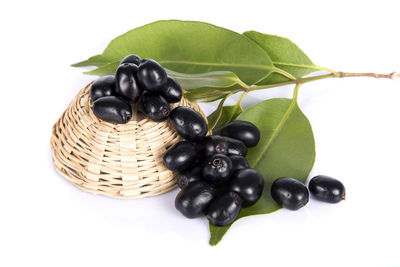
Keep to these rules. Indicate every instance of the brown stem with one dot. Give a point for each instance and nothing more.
(393, 75)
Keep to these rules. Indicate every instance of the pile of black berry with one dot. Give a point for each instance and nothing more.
(135, 81)
(293, 194)
(215, 177)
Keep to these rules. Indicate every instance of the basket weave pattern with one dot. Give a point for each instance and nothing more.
(117, 160)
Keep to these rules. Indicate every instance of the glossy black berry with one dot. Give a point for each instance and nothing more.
(290, 193)
(327, 189)
(215, 144)
(236, 147)
(155, 106)
(225, 209)
(188, 123)
(103, 86)
(151, 76)
(244, 131)
(217, 168)
(190, 176)
(193, 200)
(134, 59)
(223, 145)
(126, 83)
(172, 91)
(248, 184)
(112, 109)
(238, 163)
(181, 156)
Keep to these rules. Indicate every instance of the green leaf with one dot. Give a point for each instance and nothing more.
(228, 114)
(106, 69)
(285, 55)
(215, 79)
(213, 118)
(205, 95)
(286, 148)
(98, 60)
(190, 47)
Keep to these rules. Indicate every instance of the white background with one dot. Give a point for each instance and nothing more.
(45, 221)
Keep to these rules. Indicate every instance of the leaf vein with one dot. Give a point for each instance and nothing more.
(264, 67)
(276, 131)
(297, 65)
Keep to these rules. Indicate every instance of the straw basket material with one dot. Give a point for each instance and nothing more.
(117, 160)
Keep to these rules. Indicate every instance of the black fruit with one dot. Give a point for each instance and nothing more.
(193, 200)
(134, 59)
(188, 123)
(236, 147)
(126, 84)
(103, 86)
(225, 209)
(244, 131)
(189, 176)
(155, 106)
(238, 163)
(112, 109)
(181, 156)
(290, 193)
(248, 184)
(217, 168)
(223, 145)
(151, 76)
(327, 189)
(172, 91)
(215, 144)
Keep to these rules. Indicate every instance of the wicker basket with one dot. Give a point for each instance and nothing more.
(117, 160)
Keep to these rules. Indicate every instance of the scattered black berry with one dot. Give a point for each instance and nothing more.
(155, 106)
(327, 189)
(194, 199)
(112, 109)
(189, 176)
(236, 147)
(126, 84)
(172, 91)
(223, 145)
(238, 163)
(244, 131)
(181, 156)
(188, 123)
(215, 144)
(217, 168)
(290, 193)
(103, 86)
(225, 209)
(151, 76)
(248, 184)
(134, 59)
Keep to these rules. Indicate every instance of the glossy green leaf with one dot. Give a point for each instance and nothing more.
(228, 114)
(190, 47)
(286, 148)
(285, 55)
(213, 118)
(205, 95)
(215, 79)
(98, 60)
(106, 69)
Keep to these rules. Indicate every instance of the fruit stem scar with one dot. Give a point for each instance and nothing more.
(217, 162)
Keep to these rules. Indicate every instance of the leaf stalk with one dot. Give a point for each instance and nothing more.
(392, 76)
